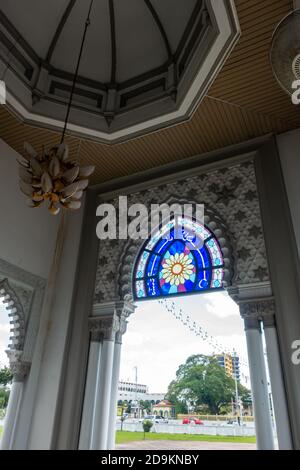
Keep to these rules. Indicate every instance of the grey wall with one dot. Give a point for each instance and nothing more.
(289, 151)
(27, 236)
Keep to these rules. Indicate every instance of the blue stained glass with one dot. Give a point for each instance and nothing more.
(152, 287)
(161, 245)
(202, 258)
(170, 266)
(153, 265)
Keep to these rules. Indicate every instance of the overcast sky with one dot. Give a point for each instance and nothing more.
(4, 334)
(157, 343)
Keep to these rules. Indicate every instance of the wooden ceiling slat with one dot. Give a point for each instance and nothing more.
(243, 102)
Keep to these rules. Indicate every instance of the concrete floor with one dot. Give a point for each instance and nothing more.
(184, 445)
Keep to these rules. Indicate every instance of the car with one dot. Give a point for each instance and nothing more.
(154, 419)
(192, 421)
(160, 419)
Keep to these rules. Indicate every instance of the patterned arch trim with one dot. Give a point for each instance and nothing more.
(182, 257)
(152, 270)
(16, 314)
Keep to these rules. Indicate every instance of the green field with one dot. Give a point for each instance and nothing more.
(126, 436)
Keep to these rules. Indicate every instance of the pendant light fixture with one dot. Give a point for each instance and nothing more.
(52, 176)
(285, 51)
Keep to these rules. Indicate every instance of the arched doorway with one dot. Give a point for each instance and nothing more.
(15, 335)
(183, 257)
(4, 363)
(201, 260)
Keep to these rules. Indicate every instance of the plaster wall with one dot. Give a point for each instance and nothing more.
(27, 236)
(289, 151)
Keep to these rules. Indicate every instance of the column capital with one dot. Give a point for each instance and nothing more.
(109, 320)
(19, 368)
(255, 311)
(104, 327)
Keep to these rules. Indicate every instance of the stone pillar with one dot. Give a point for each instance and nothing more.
(20, 370)
(114, 389)
(258, 376)
(90, 388)
(276, 377)
(103, 386)
(109, 323)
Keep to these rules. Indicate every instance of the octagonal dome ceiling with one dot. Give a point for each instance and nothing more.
(146, 64)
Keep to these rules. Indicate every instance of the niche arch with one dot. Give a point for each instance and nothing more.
(213, 223)
(15, 313)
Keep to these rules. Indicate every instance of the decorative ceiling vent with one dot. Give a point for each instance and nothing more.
(147, 63)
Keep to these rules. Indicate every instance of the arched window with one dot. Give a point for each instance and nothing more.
(182, 257)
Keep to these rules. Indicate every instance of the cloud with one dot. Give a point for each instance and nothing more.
(157, 343)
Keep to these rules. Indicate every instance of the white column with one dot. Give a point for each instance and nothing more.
(102, 397)
(114, 393)
(89, 395)
(259, 385)
(277, 385)
(11, 415)
(109, 321)
(20, 370)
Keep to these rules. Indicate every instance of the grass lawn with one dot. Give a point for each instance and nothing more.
(126, 436)
(1, 430)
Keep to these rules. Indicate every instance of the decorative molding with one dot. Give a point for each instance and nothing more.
(16, 315)
(20, 369)
(25, 292)
(107, 111)
(133, 247)
(246, 252)
(256, 311)
(109, 320)
(106, 327)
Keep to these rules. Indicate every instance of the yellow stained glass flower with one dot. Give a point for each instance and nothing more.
(177, 269)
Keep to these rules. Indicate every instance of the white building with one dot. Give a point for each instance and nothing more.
(131, 391)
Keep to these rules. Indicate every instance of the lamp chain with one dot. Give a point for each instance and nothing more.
(87, 24)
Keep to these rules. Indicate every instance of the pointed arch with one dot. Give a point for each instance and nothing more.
(216, 261)
(16, 314)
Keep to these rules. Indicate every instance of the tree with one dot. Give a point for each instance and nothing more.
(245, 395)
(4, 396)
(202, 381)
(146, 405)
(5, 376)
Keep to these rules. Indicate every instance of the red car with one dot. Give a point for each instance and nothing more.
(192, 421)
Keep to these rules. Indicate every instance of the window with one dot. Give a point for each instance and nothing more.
(171, 265)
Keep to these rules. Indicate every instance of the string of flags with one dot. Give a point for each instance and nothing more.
(195, 328)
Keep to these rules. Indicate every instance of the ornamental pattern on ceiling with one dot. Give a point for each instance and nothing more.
(230, 193)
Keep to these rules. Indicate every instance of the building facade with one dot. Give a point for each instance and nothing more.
(231, 364)
(186, 110)
(128, 391)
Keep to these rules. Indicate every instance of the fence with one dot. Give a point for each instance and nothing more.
(178, 428)
(246, 419)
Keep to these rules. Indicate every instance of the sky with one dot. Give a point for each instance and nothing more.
(157, 343)
(4, 334)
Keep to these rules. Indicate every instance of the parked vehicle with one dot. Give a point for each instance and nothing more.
(160, 419)
(154, 419)
(192, 421)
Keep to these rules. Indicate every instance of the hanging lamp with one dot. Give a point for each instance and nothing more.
(52, 176)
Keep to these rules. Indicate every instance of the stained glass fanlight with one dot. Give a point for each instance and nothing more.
(170, 264)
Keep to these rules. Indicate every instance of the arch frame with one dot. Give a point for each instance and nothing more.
(23, 297)
(215, 224)
(263, 156)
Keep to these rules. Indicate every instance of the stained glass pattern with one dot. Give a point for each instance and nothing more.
(173, 265)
